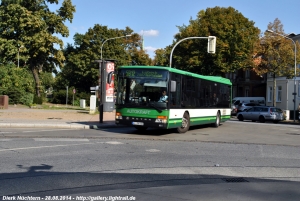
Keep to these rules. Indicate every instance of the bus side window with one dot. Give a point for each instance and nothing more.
(175, 96)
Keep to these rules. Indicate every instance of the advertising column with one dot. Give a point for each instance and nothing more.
(108, 89)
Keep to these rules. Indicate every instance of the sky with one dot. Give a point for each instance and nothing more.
(157, 20)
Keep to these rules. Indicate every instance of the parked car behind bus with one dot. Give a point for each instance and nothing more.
(246, 106)
(237, 100)
(261, 114)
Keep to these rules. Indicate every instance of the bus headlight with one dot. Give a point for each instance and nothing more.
(119, 115)
(161, 119)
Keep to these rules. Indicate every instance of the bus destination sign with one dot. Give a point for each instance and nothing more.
(145, 73)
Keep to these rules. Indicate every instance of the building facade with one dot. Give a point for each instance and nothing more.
(246, 83)
(284, 89)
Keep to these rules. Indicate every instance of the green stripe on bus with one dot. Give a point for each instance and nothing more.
(174, 123)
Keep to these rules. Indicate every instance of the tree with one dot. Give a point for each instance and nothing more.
(235, 38)
(160, 58)
(275, 54)
(31, 25)
(82, 72)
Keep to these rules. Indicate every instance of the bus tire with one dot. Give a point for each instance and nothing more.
(185, 124)
(217, 122)
(140, 128)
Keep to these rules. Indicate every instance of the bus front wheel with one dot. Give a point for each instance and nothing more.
(185, 124)
(217, 122)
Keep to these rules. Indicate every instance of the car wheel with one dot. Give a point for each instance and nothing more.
(185, 124)
(140, 128)
(241, 118)
(217, 123)
(262, 119)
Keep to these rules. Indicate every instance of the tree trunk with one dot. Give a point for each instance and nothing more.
(35, 73)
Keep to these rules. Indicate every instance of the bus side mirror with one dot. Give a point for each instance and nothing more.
(109, 77)
(173, 86)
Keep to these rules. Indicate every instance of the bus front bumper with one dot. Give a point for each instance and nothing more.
(143, 122)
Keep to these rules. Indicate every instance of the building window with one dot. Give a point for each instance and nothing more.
(270, 93)
(246, 92)
(247, 74)
(278, 92)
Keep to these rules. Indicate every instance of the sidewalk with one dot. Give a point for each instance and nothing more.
(21, 116)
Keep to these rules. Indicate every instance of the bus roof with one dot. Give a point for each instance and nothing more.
(182, 72)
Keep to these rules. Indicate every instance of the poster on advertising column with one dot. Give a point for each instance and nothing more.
(110, 66)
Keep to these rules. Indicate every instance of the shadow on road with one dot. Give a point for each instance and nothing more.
(39, 181)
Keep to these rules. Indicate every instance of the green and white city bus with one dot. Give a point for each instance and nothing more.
(193, 99)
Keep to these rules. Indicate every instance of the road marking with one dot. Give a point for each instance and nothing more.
(41, 147)
(5, 140)
(48, 130)
(58, 139)
(153, 150)
(112, 142)
(61, 139)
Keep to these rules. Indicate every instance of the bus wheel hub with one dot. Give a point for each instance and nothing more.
(184, 122)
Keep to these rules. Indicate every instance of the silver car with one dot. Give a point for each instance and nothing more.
(261, 114)
(246, 106)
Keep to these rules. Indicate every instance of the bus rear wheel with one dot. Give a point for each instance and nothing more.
(185, 124)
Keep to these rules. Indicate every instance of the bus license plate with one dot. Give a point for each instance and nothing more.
(138, 123)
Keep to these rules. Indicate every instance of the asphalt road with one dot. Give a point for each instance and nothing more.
(237, 161)
(229, 132)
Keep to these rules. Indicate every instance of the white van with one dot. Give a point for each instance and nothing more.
(237, 100)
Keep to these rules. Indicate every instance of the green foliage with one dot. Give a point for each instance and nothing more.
(76, 102)
(17, 83)
(38, 100)
(235, 38)
(81, 70)
(47, 80)
(14, 95)
(29, 29)
(274, 53)
(59, 97)
(27, 99)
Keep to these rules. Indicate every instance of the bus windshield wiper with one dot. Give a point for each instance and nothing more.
(155, 107)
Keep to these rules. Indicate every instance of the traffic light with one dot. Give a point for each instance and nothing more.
(211, 44)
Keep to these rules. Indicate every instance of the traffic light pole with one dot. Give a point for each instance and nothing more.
(211, 45)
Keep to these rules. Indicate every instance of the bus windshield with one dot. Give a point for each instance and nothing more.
(141, 87)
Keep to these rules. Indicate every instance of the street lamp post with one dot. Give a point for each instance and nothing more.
(100, 77)
(294, 69)
(19, 55)
(111, 39)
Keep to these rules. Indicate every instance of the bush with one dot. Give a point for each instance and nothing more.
(15, 95)
(17, 83)
(59, 97)
(27, 99)
(38, 100)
